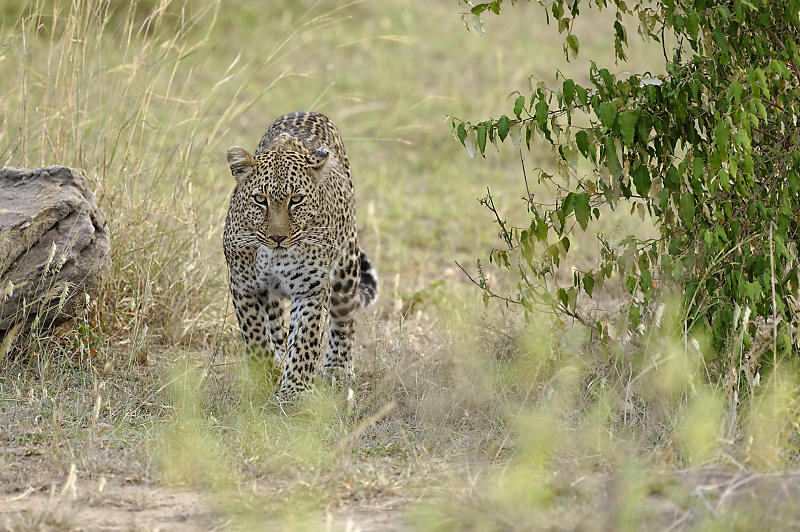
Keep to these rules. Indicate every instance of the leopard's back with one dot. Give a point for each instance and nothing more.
(313, 129)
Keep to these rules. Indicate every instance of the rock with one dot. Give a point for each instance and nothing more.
(54, 246)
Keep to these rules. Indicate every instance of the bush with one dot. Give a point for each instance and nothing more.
(710, 150)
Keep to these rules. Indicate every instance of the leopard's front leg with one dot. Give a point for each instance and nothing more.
(303, 348)
(260, 317)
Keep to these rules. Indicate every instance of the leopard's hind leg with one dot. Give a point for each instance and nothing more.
(347, 296)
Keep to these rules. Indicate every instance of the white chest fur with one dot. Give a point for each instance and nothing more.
(291, 272)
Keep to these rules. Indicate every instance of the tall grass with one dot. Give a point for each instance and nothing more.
(120, 91)
(123, 93)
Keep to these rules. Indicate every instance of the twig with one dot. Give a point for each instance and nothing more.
(529, 197)
(774, 305)
(489, 203)
(574, 315)
(218, 346)
(485, 288)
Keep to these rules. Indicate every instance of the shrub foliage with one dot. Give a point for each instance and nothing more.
(710, 150)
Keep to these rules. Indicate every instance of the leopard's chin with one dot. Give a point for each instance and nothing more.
(279, 248)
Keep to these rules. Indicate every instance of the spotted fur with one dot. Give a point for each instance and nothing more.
(290, 235)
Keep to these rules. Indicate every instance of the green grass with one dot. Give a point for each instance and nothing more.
(462, 417)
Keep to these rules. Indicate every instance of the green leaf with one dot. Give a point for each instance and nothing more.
(541, 114)
(519, 104)
(752, 290)
(588, 284)
(568, 204)
(630, 286)
(644, 125)
(503, 125)
(698, 166)
(761, 81)
(722, 135)
(582, 209)
(794, 181)
(481, 137)
(672, 181)
(480, 8)
(568, 92)
(461, 131)
(572, 298)
(572, 42)
(641, 179)
(693, 24)
(608, 79)
(675, 247)
(735, 92)
(612, 161)
(646, 281)
(687, 208)
(607, 112)
(721, 41)
(562, 296)
(541, 230)
(627, 126)
(724, 179)
(583, 95)
(582, 140)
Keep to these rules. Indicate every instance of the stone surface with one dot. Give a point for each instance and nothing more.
(54, 245)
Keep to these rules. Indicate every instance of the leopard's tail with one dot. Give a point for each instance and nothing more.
(368, 286)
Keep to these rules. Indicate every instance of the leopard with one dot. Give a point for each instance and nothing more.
(290, 241)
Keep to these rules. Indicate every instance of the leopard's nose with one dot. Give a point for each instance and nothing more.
(278, 238)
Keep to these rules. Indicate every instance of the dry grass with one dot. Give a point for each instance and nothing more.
(466, 415)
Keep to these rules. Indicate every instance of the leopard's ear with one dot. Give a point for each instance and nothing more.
(318, 162)
(242, 164)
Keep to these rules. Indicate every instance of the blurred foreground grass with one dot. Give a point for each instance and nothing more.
(465, 414)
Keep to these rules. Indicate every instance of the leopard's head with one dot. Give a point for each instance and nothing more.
(278, 190)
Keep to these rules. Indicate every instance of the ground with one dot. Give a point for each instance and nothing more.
(131, 504)
(463, 416)
(134, 504)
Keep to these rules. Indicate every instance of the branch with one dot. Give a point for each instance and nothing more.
(485, 288)
(489, 202)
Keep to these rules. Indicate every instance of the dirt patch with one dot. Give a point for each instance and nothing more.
(680, 500)
(106, 506)
(378, 516)
(67, 503)
(147, 507)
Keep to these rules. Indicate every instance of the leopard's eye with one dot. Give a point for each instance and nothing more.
(296, 199)
(261, 199)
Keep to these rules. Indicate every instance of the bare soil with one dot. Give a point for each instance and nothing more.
(67, 502)
(119, 506)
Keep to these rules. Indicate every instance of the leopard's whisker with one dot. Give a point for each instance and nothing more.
(243, 241)
(321, 244)
(322, 230)
(324, 236)
(321, 237)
